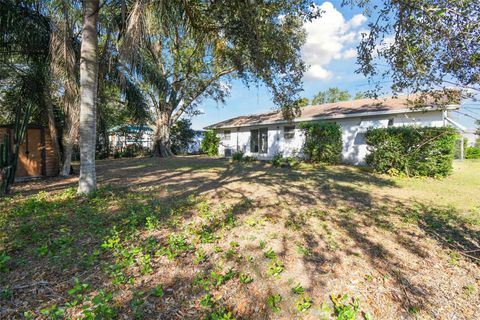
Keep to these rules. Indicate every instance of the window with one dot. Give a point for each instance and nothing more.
(288, 132)
(259, 140)
(390, 122)
(226, 135)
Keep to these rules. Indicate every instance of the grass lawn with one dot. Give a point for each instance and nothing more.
(198, 238)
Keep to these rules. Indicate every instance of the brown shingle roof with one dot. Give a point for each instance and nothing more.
(341, 109)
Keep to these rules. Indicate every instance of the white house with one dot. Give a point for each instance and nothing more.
(264, 135)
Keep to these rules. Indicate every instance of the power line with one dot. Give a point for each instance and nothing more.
(467, 115)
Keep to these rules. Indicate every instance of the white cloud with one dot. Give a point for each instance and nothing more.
(330, 37)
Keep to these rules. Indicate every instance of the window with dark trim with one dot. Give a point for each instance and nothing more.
(227, 135)
(288, 132)
(259, 140)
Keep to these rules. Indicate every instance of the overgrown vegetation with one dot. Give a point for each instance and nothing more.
(411, 151)
(156, 250)
(472, 153)
(323, 141)
(210, 143)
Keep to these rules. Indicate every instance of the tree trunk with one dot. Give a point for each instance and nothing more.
(88, 97)
(68, 142)
(51, 120)
(162, 146)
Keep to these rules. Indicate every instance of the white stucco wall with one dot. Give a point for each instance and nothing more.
(353, 130)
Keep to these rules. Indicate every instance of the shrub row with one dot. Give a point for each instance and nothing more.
(412, 151)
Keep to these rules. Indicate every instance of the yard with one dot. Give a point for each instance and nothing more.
(191, 237)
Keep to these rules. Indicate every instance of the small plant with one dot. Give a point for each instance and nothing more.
(207, 301)
(237, 156)
(298, 289)
(157, 291)
(262, 244)
(345, 310)
(218, 279)
(200, 256)
(4, 260)
(245, 278)
(270, 254)
(304, 250)
(100, 307)
(220, 314)
(273, 302)
(303, 303)
(275, 268)
(77, 292)
(145, 264)
(413, 309)
(469, 290)
(53, 312)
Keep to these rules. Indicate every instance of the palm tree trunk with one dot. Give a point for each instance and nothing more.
(88, 97)
(51, 119)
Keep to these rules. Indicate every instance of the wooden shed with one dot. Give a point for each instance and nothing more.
(37, 157)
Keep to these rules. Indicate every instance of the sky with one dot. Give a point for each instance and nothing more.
(330, 53)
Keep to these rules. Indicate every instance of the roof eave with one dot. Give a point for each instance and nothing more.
(339, 116)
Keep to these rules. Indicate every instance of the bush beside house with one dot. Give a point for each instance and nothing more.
(323, 141)
(210, 143)
(412, 151)
(472, 153)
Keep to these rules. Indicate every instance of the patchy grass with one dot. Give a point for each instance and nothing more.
(190, 237)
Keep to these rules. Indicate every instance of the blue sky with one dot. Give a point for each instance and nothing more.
(330, 53)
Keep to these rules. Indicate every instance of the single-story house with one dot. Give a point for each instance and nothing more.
(123, 136)
(37, 157)
(266, 134)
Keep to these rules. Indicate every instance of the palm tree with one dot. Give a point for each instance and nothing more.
(88, 97)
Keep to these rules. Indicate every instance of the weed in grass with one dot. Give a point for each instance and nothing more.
(234, 244)
(6, 293)
(220, 314)
(262, 244)
(231, 253)
(298, 289)
(413, 309)
(304, 250)
(4, 261)
(245, 278)
(53, 312)
(136, 304)
(218, 249)
(218, 279)
(145, 264)
(100, 307)
(345, 310)
(200, 256)
(273, 302)
(275, 268)
(157, 291)
(303, 303)
(469, 290)
(77, 292)
(207, 301)
(270, 254)
(454, 257)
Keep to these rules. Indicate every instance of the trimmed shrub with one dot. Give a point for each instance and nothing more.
(210, 143)
(472, 153)
(411, 151)
(323, 141)
(237, 156)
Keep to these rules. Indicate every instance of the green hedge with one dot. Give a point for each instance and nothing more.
(323, 141)
(412, 151)
(472, 153)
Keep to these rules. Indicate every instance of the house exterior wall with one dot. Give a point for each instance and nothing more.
(353, 131)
